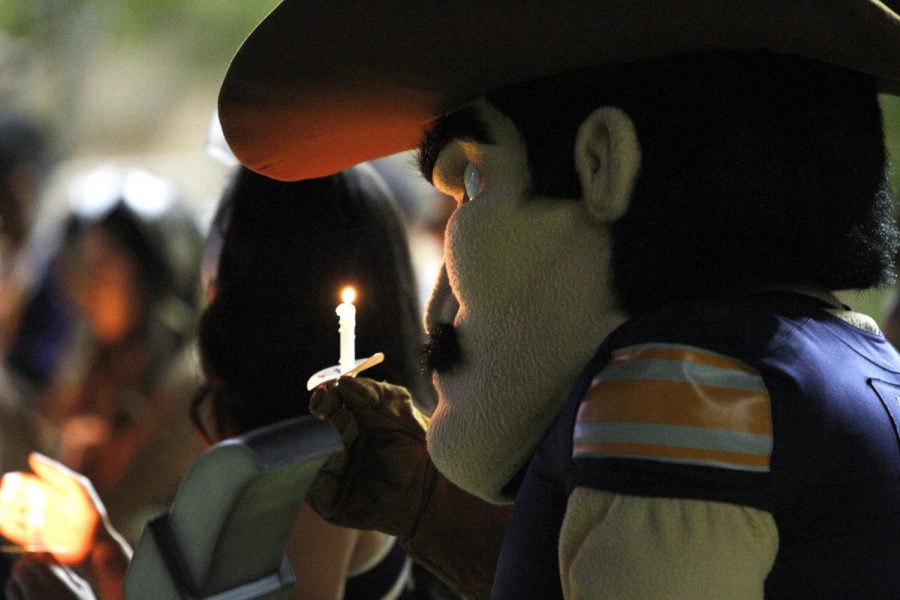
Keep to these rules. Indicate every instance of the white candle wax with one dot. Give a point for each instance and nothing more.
(347, 329)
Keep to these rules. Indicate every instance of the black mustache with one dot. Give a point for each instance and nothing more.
(442, 352)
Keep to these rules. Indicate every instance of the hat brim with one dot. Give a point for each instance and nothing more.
(321, 85)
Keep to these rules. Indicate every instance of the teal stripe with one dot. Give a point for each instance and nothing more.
(677, 436)
(682, 372)
(678, 461)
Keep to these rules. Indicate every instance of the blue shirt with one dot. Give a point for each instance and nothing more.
(809, 408)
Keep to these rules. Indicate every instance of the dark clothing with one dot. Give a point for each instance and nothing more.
(827, 467)
(390, 578)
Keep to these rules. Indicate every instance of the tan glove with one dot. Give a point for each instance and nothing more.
(385, 481)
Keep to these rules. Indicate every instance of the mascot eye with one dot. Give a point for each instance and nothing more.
(472, 182)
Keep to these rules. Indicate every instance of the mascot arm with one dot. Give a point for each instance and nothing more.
(671, 483)
(631, 547)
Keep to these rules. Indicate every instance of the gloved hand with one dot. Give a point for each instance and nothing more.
(385, 481)
(379, 482)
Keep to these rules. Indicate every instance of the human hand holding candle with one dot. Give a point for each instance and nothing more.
(53, 510)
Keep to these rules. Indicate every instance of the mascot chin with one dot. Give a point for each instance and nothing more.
(646, 385)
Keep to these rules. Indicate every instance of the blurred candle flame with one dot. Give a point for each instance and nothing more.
(37, 502)
(39, 516)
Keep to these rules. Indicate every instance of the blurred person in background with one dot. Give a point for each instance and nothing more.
(277, 257)
(127, 266)
(33, 319)
(24, 162)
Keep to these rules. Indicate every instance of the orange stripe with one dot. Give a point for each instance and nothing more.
(676, 403)
(682, 354)
(652, 450)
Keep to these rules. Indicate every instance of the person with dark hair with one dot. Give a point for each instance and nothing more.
(127, 266)
(288, 251)
(635, 338)
(278, 283)
(24, 160)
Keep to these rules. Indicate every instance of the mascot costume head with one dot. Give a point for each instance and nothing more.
(607, 158)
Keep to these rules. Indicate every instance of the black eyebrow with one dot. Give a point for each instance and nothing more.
(462, 124)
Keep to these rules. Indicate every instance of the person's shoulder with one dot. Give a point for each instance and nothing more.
(745, 328)
(676, 403)
(678, 408)
(675, 420)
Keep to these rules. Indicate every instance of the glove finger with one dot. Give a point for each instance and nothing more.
(397, 401)
(350, 399)
(336, 464)
(345, 424)
(357, 392)
(371, 401)
(322, 494)
(362, 393)
(327, 405)
(324, 401)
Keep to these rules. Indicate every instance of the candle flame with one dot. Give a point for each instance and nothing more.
(348, 295)
(37, 501)
(50, 510)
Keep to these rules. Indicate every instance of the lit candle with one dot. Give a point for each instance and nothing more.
(347, 328)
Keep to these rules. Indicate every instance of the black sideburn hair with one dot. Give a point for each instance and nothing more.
(460, 124)
(757, 169)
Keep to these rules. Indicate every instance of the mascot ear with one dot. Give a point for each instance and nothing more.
(607, 158)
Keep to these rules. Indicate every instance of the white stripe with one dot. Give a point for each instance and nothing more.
(651, 345)
(676, 436)
(681, 371)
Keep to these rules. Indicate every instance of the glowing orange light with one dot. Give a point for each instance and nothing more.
(348, 295)
(52, 510)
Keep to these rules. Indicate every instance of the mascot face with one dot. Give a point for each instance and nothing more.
(526, 286)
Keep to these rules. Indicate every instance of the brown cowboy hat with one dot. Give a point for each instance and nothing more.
(321, 85)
